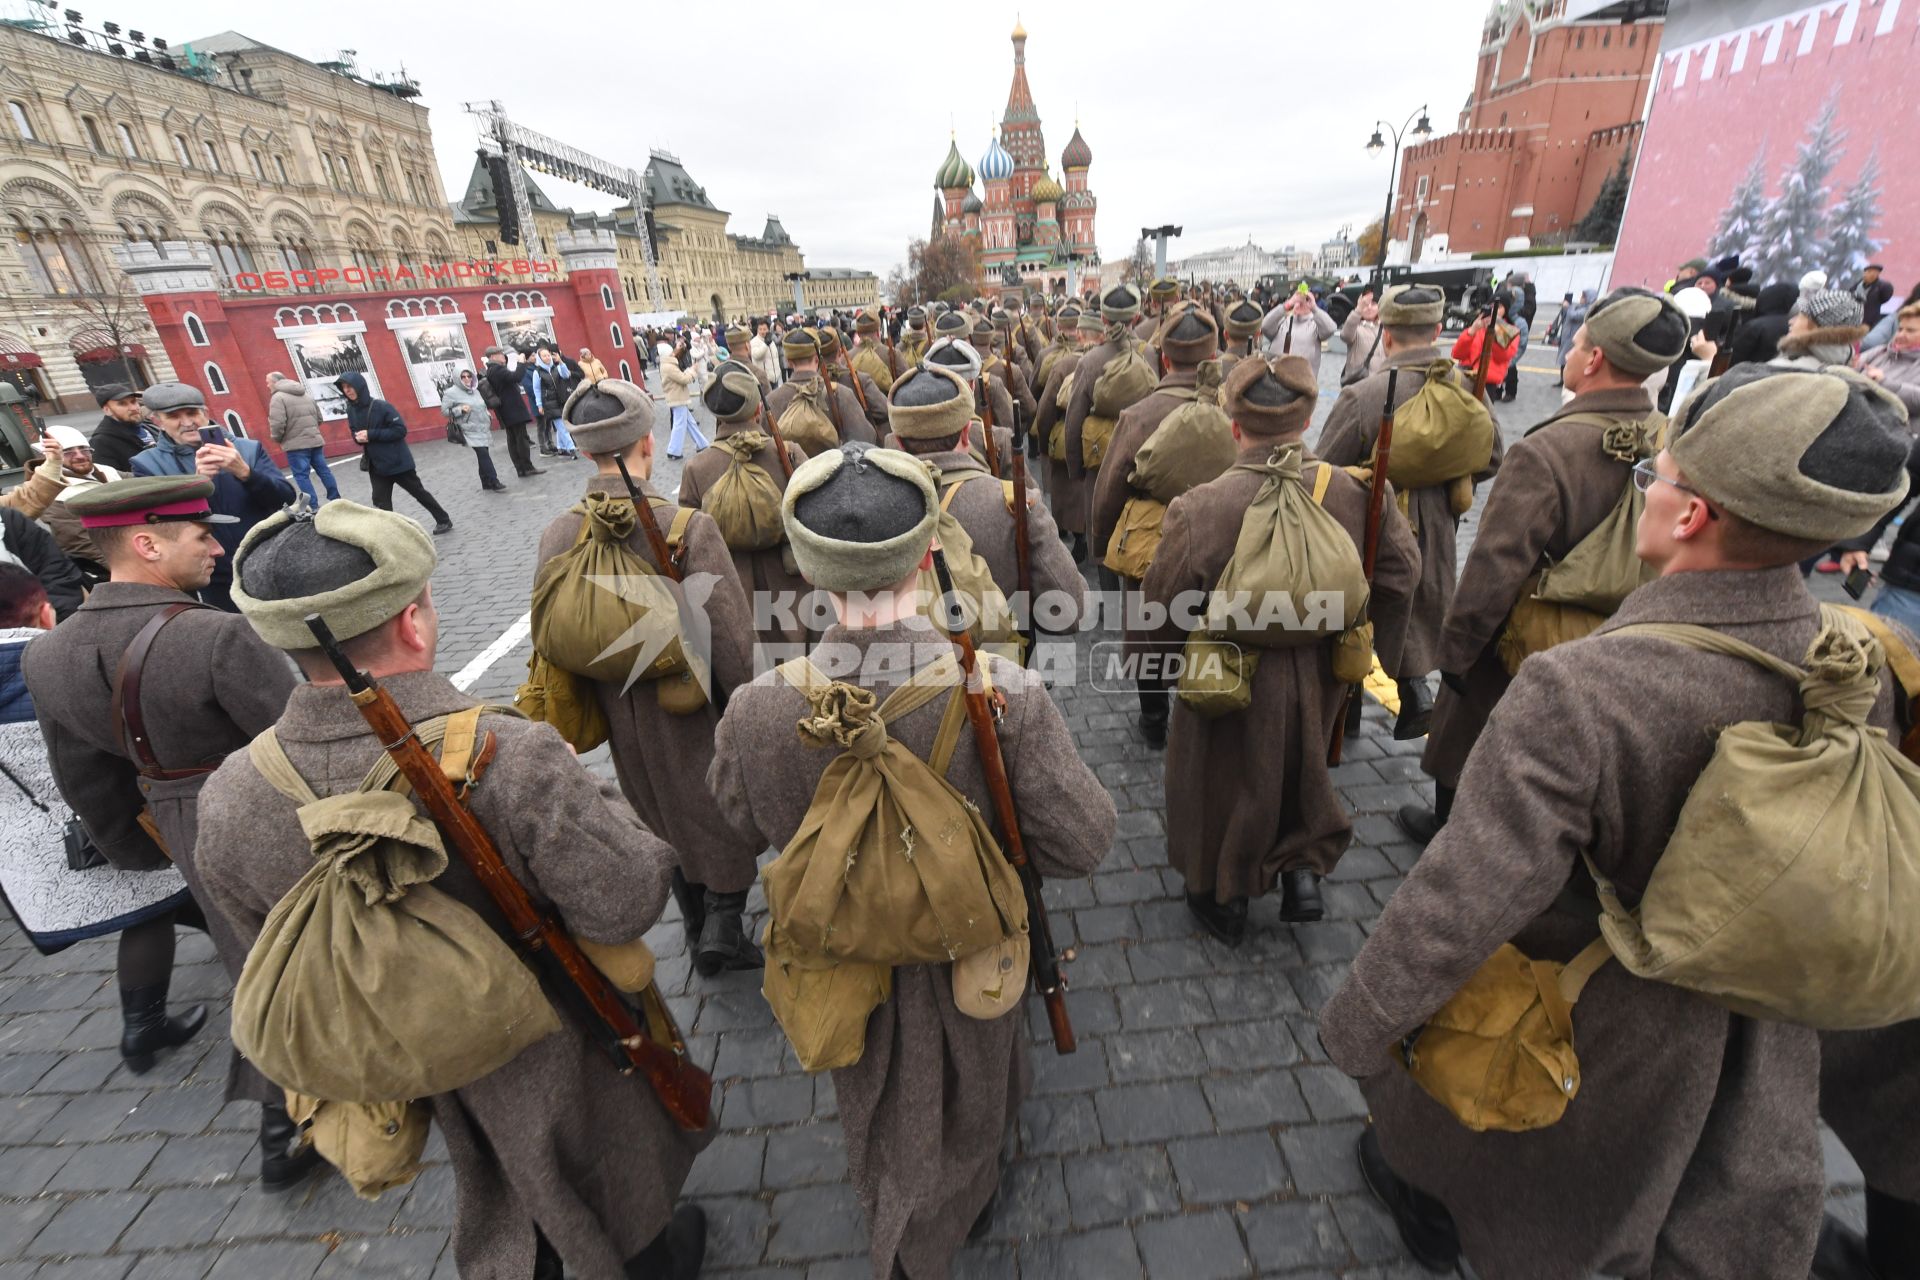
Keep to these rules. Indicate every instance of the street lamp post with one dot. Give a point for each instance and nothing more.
(1374, 144)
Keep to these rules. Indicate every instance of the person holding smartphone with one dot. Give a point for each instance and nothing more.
(247, 485)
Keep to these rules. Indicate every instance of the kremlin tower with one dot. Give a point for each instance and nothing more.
(1028, 223)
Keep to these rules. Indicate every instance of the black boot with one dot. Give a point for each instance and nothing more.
(677, 1252)
(1356, 712)
(282, 1162)
(1300, 896)
(1841, 1253)
(693, 906)
(146, 1029)
(1079, 548)
(724, 941)
(1416, 711)
(1155, 706)
(1422, 824)
(1893, 1236)
(1426, 1228)
(1226, 921)
(984, 1222)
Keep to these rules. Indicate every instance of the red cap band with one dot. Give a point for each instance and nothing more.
(167, 511)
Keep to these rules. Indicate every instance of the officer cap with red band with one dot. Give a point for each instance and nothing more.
(147, 500)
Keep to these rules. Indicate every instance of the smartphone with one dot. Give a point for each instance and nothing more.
(213, 435)
(1856, 583)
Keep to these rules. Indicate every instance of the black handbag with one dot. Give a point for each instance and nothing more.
(82, 853)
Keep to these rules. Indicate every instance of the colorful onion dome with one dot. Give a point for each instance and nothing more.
(996, 165)
(1047, 191)
(954, 173)
(1078, 154)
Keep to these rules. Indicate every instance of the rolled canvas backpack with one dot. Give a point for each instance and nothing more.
(1192, 445)
(745, 500)
(808, 418)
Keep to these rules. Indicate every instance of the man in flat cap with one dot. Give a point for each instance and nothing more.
(1556, 486)
(1693, 1147)
(557, 1156)
(659, 755)
(123, 431)
(872, 356)
(1410, 317)
(802, 349)
(1118, 308)
(1067, 495)
(835, 368)
(959, 356)
(194, 684)
(1186, 344)
(772, 584)
(501, 388)
(247, 484)
(931, 414)
(1251, 806)
(927, 1108)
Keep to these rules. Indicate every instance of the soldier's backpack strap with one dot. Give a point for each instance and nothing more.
(1320, 483)
(267, 756)
(677, 528)
(920, 689)
(128, 716)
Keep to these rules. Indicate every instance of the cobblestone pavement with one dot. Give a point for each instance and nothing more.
(1197, 1133)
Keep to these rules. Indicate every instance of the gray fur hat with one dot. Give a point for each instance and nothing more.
(859, 518)
(955, 354)
(734, 393)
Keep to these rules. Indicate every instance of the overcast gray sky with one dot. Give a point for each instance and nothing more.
(1234, 119)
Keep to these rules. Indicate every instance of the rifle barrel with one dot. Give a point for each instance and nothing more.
(649, 525)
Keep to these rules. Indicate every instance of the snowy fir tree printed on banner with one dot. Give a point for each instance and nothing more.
(1792, 240)
(1850, 241)
(1739, 230)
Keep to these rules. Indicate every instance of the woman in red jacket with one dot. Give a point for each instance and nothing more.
(1506, 346)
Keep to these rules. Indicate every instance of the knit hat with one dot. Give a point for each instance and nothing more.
(107, 392)
(859, 518)
(1640, 332)
(1270, 396)
(801, 344)
(1413, 304)
(605, 417)
(1827, 308)
(866, 322)
(1191, 338)
(354, 566)
(955, 354)
(1813, 454)
(1164, 288)
(162, 396)
(929, 402)
(1122, 302)
(1243, 319)
(734, 393)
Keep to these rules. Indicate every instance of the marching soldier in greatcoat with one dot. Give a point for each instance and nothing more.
(1410, 316)
(958, 355)
(1556, 486)
(1118, 307)
(913, 338)
(773, 588)
(1251, 804)
(558, 1158)
(659, 756)
(1161, 294)
(1066, 493)
(739, 344)
(870, 353)
(927, 1108)
(1241, 326)
(140, 695)
(991, 341)
(802, 349)
(1692, 1146)
(837, 368)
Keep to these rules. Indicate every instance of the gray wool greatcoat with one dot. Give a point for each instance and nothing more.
(209, 685)
(1069, 495)
(557, 1139)
(981, 509)
(1555, 487)
(764, 575)
(843, 407)
(1692, 1147)
(1249, 794)
(927, 1110)
(1346, 440)
(1018, 382)
(1080, 404)
(1134, 427)
(660, 758)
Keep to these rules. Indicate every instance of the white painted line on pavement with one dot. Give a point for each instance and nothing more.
(500, 648)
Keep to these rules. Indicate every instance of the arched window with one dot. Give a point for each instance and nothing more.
(614, 331)
(196, 332)
(128, 147)
(259, 169)
(94, 140)
(626, 372)
(22, 122)
(280, 166)
(212, 154)
(216, 381)
(413, 190)
(180, 152)
(54, 254)
(326, 164)
(234, 424)
(380, 179)
(606, 297)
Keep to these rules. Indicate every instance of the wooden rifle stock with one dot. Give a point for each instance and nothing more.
(1045, 961)
(1370, 543)
(853, 376)
(648, 1041)
(643, 512)
(779, 442)
(986, 410)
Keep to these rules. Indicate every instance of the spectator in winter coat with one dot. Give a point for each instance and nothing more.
(1823, 328)
(541, 382)
(1758, 340)
(1297, 327)
(1567, 325)
(294, 420)
(123, 429)
(78, 473)
(590, 367)
(1873, 294)
(26, 544)
(1361, 333)
(1899, 594)
(379, 426)
(501, 390)
(1881, 334)
(1506, 347)
(1896, 366)
(246, 483)
(678, 372)
(466, 411)
(765, 353)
